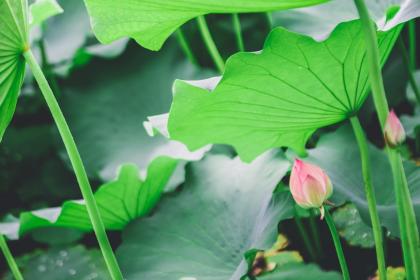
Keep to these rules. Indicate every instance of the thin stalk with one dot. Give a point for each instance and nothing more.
(211, 46)
(370, 195)
(337, 244)
(305, 237)
(412, 43)
(185, 46)
(269, 17)
(315, 233)
(10, 259)
(407, 62)
(407, 220)
(238, 32)
(78, 166)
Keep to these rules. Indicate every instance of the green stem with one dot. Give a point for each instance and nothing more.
(211, 46)
(407, 62)
(238, 32)
(269, 17)
(305, 237)
(407, 220)
(412, 42)
(315, 233)
(337, 244)
(185, 46)
(370, 195)
(78, 166)
(10, 259)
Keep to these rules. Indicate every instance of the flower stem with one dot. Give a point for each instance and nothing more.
(315, 233)
(304, 236)
(406, 217)
(10, 259)
(370, 195)
(337, 244)
(412, 42)
(185, 46)
(238, 32)
(78, 166)
(211, 46)
(407, 62)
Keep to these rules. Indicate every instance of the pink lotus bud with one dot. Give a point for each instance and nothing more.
(394, 131)
(309, 185)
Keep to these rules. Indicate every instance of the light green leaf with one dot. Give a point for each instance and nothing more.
(41, 10)
(136, 86)
(338, 154)
(280, 96)
(351, 227)
(300, 271)
(13, 41)
(150, 23)
(66, 263)
(319, 21)
(119, 202)
(226, 210)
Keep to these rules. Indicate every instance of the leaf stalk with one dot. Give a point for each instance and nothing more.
(210, 44)
(10, 259)
(370, 195)
(406, 216)
(238, 32)
(337, 245)
(78, 166)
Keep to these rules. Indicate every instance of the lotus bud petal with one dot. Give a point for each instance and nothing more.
(394, 131)
(310, 185)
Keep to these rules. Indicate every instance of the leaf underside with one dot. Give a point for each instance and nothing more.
(13, 38)
(228, 209)
(280, 96)
(318, 21)
(150, 23)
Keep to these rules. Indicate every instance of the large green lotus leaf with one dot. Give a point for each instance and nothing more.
(338, 154)
(150, 23)
(65, 263)
(319, 21)
(119, 202)
(280, 96)
(300, 271)
(106, 111)
(225, 211)
(13, 41)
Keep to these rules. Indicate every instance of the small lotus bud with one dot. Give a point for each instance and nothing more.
(394, 131)
(309, 185)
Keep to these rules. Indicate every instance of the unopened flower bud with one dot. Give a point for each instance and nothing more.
(310, 185)
(394, 131)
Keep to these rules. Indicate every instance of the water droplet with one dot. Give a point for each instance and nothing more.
(63, 253)
(42, 268)
(92, 276)
(59, 263)
(72, 271)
